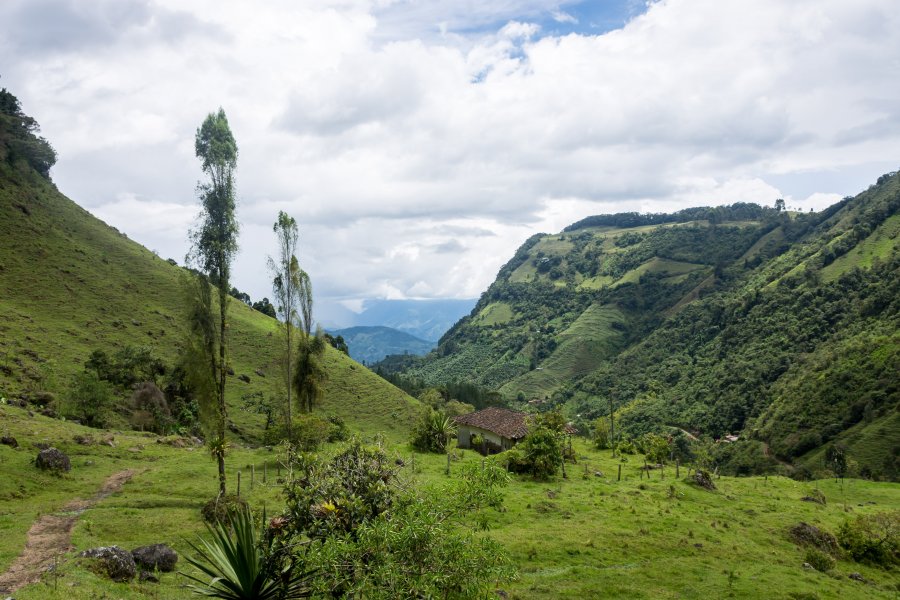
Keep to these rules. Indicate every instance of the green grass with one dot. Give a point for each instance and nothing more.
(673, 268)
(878, 245)
(585, 536)
(495, 313)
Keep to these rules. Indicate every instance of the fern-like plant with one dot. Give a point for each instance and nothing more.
(239, 568)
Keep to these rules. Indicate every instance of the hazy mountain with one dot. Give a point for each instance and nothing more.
(370, 344)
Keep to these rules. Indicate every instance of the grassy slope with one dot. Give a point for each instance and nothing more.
(587, 342)
(585, 536)
(72, 284)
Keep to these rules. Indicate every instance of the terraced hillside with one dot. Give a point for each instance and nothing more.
(568, 302)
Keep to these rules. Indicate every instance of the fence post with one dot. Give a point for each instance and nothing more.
(239, 484)
(252, 475)
(677, 469)
(620, 473)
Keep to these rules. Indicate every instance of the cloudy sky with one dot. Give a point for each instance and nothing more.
(419, 142)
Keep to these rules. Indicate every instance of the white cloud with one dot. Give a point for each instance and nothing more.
(417, 160)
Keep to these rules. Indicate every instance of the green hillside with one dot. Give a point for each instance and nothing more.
(780, 327)
(72, 285)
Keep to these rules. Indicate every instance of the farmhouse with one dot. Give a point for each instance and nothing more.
(498, 429)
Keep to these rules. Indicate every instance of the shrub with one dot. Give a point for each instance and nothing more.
(818, 560)
(626, 447)
(540, 453)
(872, 539)
(219, 508)
(90, 399)
(600, 431)
(311, 431)
(434, 432)
(366, 537)
(241, 565)
(151, 411)
(339, 432)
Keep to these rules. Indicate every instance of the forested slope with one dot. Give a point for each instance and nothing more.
(782, 327)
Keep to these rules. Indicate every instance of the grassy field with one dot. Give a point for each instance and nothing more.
(588, 535)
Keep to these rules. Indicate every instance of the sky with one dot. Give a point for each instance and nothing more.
(418, 143)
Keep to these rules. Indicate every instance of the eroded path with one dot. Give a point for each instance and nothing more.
(50, 536)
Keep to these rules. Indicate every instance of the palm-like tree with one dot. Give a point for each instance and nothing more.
(238, 567)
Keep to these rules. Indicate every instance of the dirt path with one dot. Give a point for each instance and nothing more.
(50, 535)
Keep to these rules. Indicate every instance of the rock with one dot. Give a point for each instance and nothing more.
(230, 371)
(858, 577)
(260, 372)
(815, 496)
(109, 441)
(805, 534)
(244, 378)
(703, 479)
(156, 557)
(10, 441)
(84, 440)
(807, 566)
(52, 459)
(148, 577)
(118, 564)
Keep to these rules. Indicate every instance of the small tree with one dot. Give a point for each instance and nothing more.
(309, 371)
(600, 430)
(214, 244)
(836, 460)
(287, 284)
(91, 399)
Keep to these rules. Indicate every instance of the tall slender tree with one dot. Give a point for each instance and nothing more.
(289, 283)
(214, 244)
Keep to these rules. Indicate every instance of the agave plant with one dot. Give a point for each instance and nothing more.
(239, 568)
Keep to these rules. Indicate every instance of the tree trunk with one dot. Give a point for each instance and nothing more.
(223, 371)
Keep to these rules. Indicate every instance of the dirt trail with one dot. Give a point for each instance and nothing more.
(49, 537)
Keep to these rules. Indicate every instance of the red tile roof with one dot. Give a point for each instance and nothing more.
(502, 421)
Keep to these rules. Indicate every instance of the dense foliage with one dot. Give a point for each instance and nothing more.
(19, 139)
(373, 537)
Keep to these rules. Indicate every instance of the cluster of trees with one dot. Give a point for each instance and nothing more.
(19, 139)
(208, 288)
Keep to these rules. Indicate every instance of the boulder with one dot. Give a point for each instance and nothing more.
(10, 441)
(148, 577)
(244, 378)
(805, 534)
(52, 459)
(116, 563)
(703, 479)
(156, 557)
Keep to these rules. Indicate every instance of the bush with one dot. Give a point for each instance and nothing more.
(219, 508)
(434, 432)
(90, 399)
(873, 539)
(151, 411)
(600, 431)
(364, 536)
(626, 447)
(819, 560)
(540, 453)
(339, 432)
(311, 431)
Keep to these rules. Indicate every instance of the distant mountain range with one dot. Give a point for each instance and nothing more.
(370, 344)
(425, 319)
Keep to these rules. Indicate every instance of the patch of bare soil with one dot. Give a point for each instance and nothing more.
(50, 536)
